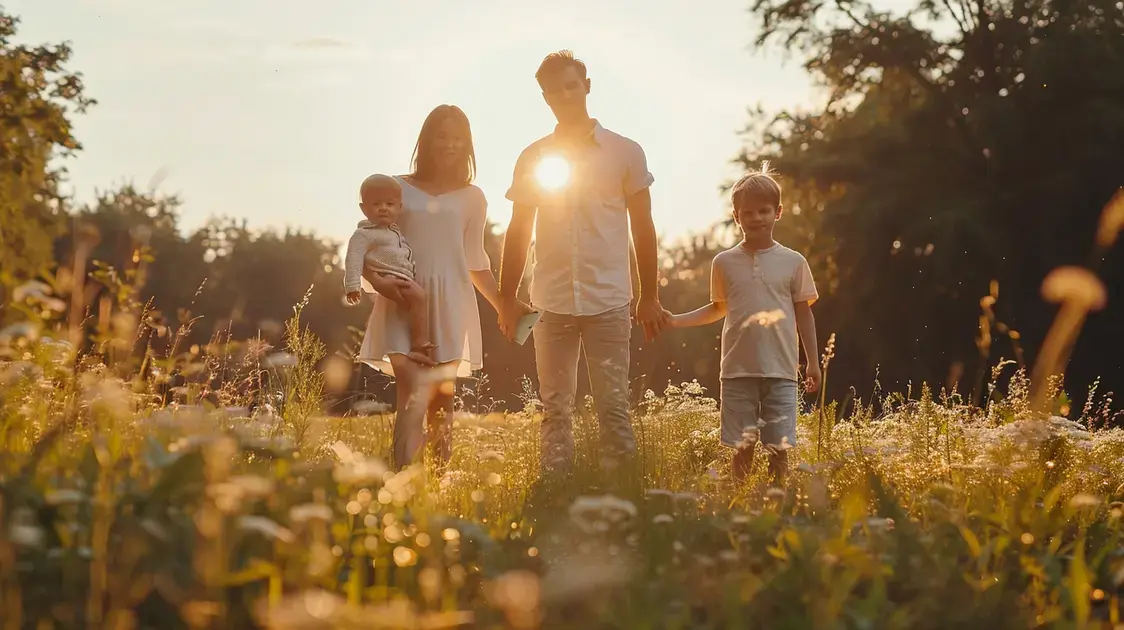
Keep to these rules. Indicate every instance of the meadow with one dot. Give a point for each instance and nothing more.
(120, 511)
(138, 490)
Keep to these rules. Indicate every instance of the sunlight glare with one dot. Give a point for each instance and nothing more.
(552, 172)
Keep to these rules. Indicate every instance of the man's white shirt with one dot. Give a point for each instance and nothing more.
(582, 252)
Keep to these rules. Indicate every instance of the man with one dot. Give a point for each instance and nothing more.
(581, 278)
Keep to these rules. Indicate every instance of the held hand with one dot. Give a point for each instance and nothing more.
(510, 311)
(652, 316)
(670, 318)
(813, 377)
(352, 297)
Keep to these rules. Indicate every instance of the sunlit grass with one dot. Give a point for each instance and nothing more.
(138, 490)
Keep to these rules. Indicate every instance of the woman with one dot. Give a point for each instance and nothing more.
(443, 218)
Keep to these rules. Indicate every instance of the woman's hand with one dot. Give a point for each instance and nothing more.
(388, 287)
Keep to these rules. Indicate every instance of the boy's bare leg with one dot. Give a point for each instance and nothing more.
(421, 348)
(411, 298)
(778, 466)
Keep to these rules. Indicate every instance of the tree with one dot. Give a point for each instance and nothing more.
(38, 95)
(963, 141)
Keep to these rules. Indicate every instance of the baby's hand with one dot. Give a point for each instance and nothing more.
(353, 297)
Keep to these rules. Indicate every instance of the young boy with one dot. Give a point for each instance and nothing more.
(378, 245)
(765, 291)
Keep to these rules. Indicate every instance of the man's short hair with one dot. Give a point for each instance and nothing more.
(756, 186)
(558, 61)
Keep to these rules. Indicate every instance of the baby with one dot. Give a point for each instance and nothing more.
(377, 245)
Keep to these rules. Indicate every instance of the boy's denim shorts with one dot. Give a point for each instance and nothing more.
(767, 403)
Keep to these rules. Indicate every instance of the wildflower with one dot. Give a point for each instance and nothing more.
(704, 561)
(310, 511)
(25, 330)
(355, 468)
(1083, 500)
(491, 456)
(369, 407)
(880, 524)
(24, 531)
(685, 497)
(20, 370)
(26, 535)
(252, 486)
(265, 414)
(267, 527)
(62, 497)
(30, 291)
(279, 360)
(155, 529)
(595, 514)
(236, 412)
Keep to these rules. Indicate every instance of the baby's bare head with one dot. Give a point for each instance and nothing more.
(380, 199)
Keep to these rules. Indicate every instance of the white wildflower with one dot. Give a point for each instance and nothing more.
(310, 511)
(279, 360)
(63, 497)
(491, 456)
(19, 330)
(30, 291)
(596, 514)
(267, 527)
(369, 407)
(1084, 500)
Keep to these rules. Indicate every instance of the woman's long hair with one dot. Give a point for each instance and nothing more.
(425, 167)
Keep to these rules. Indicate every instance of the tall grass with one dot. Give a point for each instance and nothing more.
(138, 490)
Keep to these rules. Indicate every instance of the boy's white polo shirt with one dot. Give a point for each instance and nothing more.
(760, 289)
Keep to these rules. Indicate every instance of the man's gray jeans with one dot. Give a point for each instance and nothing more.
(605, 339)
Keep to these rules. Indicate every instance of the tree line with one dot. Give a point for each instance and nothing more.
(966, 149)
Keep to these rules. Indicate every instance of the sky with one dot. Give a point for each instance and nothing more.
(275, 110)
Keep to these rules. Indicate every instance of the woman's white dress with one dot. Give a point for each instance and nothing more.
(446, 234)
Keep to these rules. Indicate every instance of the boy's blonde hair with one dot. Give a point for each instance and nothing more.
(756, 186)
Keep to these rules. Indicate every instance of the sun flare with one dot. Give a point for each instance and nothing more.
(552, 172)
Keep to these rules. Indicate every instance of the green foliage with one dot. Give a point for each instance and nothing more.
(961, 143)
(38, 95)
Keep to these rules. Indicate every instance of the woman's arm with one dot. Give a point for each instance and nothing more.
(388, 287)
(485, 283)
(700, 316)
(479, 265)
